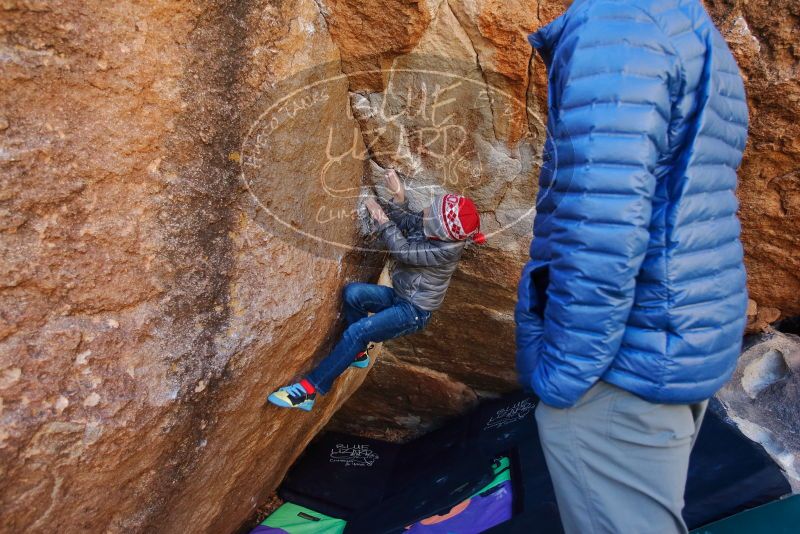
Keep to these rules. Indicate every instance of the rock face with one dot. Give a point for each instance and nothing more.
(146, 309)
(764, 41)
(179, 189)
(763, 397)
(481, 136)
(470, 340)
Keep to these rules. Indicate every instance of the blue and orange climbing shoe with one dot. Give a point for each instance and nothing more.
(362, 358)
(293, 396)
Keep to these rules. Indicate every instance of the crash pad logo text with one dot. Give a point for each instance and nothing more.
(510, 414)
(353, 455)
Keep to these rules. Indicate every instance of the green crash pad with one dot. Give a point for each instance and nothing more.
(777, 517)
(501, 469)
(293, 519)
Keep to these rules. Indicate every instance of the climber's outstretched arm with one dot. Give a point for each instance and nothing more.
(405, 219)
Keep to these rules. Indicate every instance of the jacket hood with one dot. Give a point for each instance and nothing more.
(433, 225)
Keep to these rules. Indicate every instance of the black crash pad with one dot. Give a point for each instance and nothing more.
(380, 487)
(339, 474)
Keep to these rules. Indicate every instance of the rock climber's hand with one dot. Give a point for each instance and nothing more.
(375, 210)
(395, 185)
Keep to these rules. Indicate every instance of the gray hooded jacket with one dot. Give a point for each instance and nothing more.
(423, 266)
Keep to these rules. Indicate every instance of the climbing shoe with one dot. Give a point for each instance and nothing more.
(294, 396)
(362, 359)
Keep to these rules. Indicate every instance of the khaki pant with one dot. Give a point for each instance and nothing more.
(619, 463)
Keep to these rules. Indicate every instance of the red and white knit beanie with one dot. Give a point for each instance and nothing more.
(459, 217)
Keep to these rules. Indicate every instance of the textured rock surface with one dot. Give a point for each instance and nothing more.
(485, 144)
(148, 303)
(399, 400)
(760, 317)
(145, 312)
(764, 40)
(471, 339)
(763, 397)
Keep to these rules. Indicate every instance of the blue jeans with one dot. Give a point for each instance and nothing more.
(392, 317)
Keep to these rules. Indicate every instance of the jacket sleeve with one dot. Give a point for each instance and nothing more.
(614, 100)
(403, 217)
(418, 254)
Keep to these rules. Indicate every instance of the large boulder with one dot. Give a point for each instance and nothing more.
(763, 37)
(458, 110)
(470, 340)
(179, 193)
(148, 303)
(763, 397)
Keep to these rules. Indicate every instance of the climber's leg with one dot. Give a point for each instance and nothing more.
(361, 299)
(398, 320)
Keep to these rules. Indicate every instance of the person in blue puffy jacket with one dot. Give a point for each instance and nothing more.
(632, 307)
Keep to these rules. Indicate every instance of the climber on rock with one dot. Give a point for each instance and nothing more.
(426, 247)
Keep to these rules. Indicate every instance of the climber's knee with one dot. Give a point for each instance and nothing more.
(350, 294)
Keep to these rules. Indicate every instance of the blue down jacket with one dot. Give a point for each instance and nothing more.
(636, 275)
